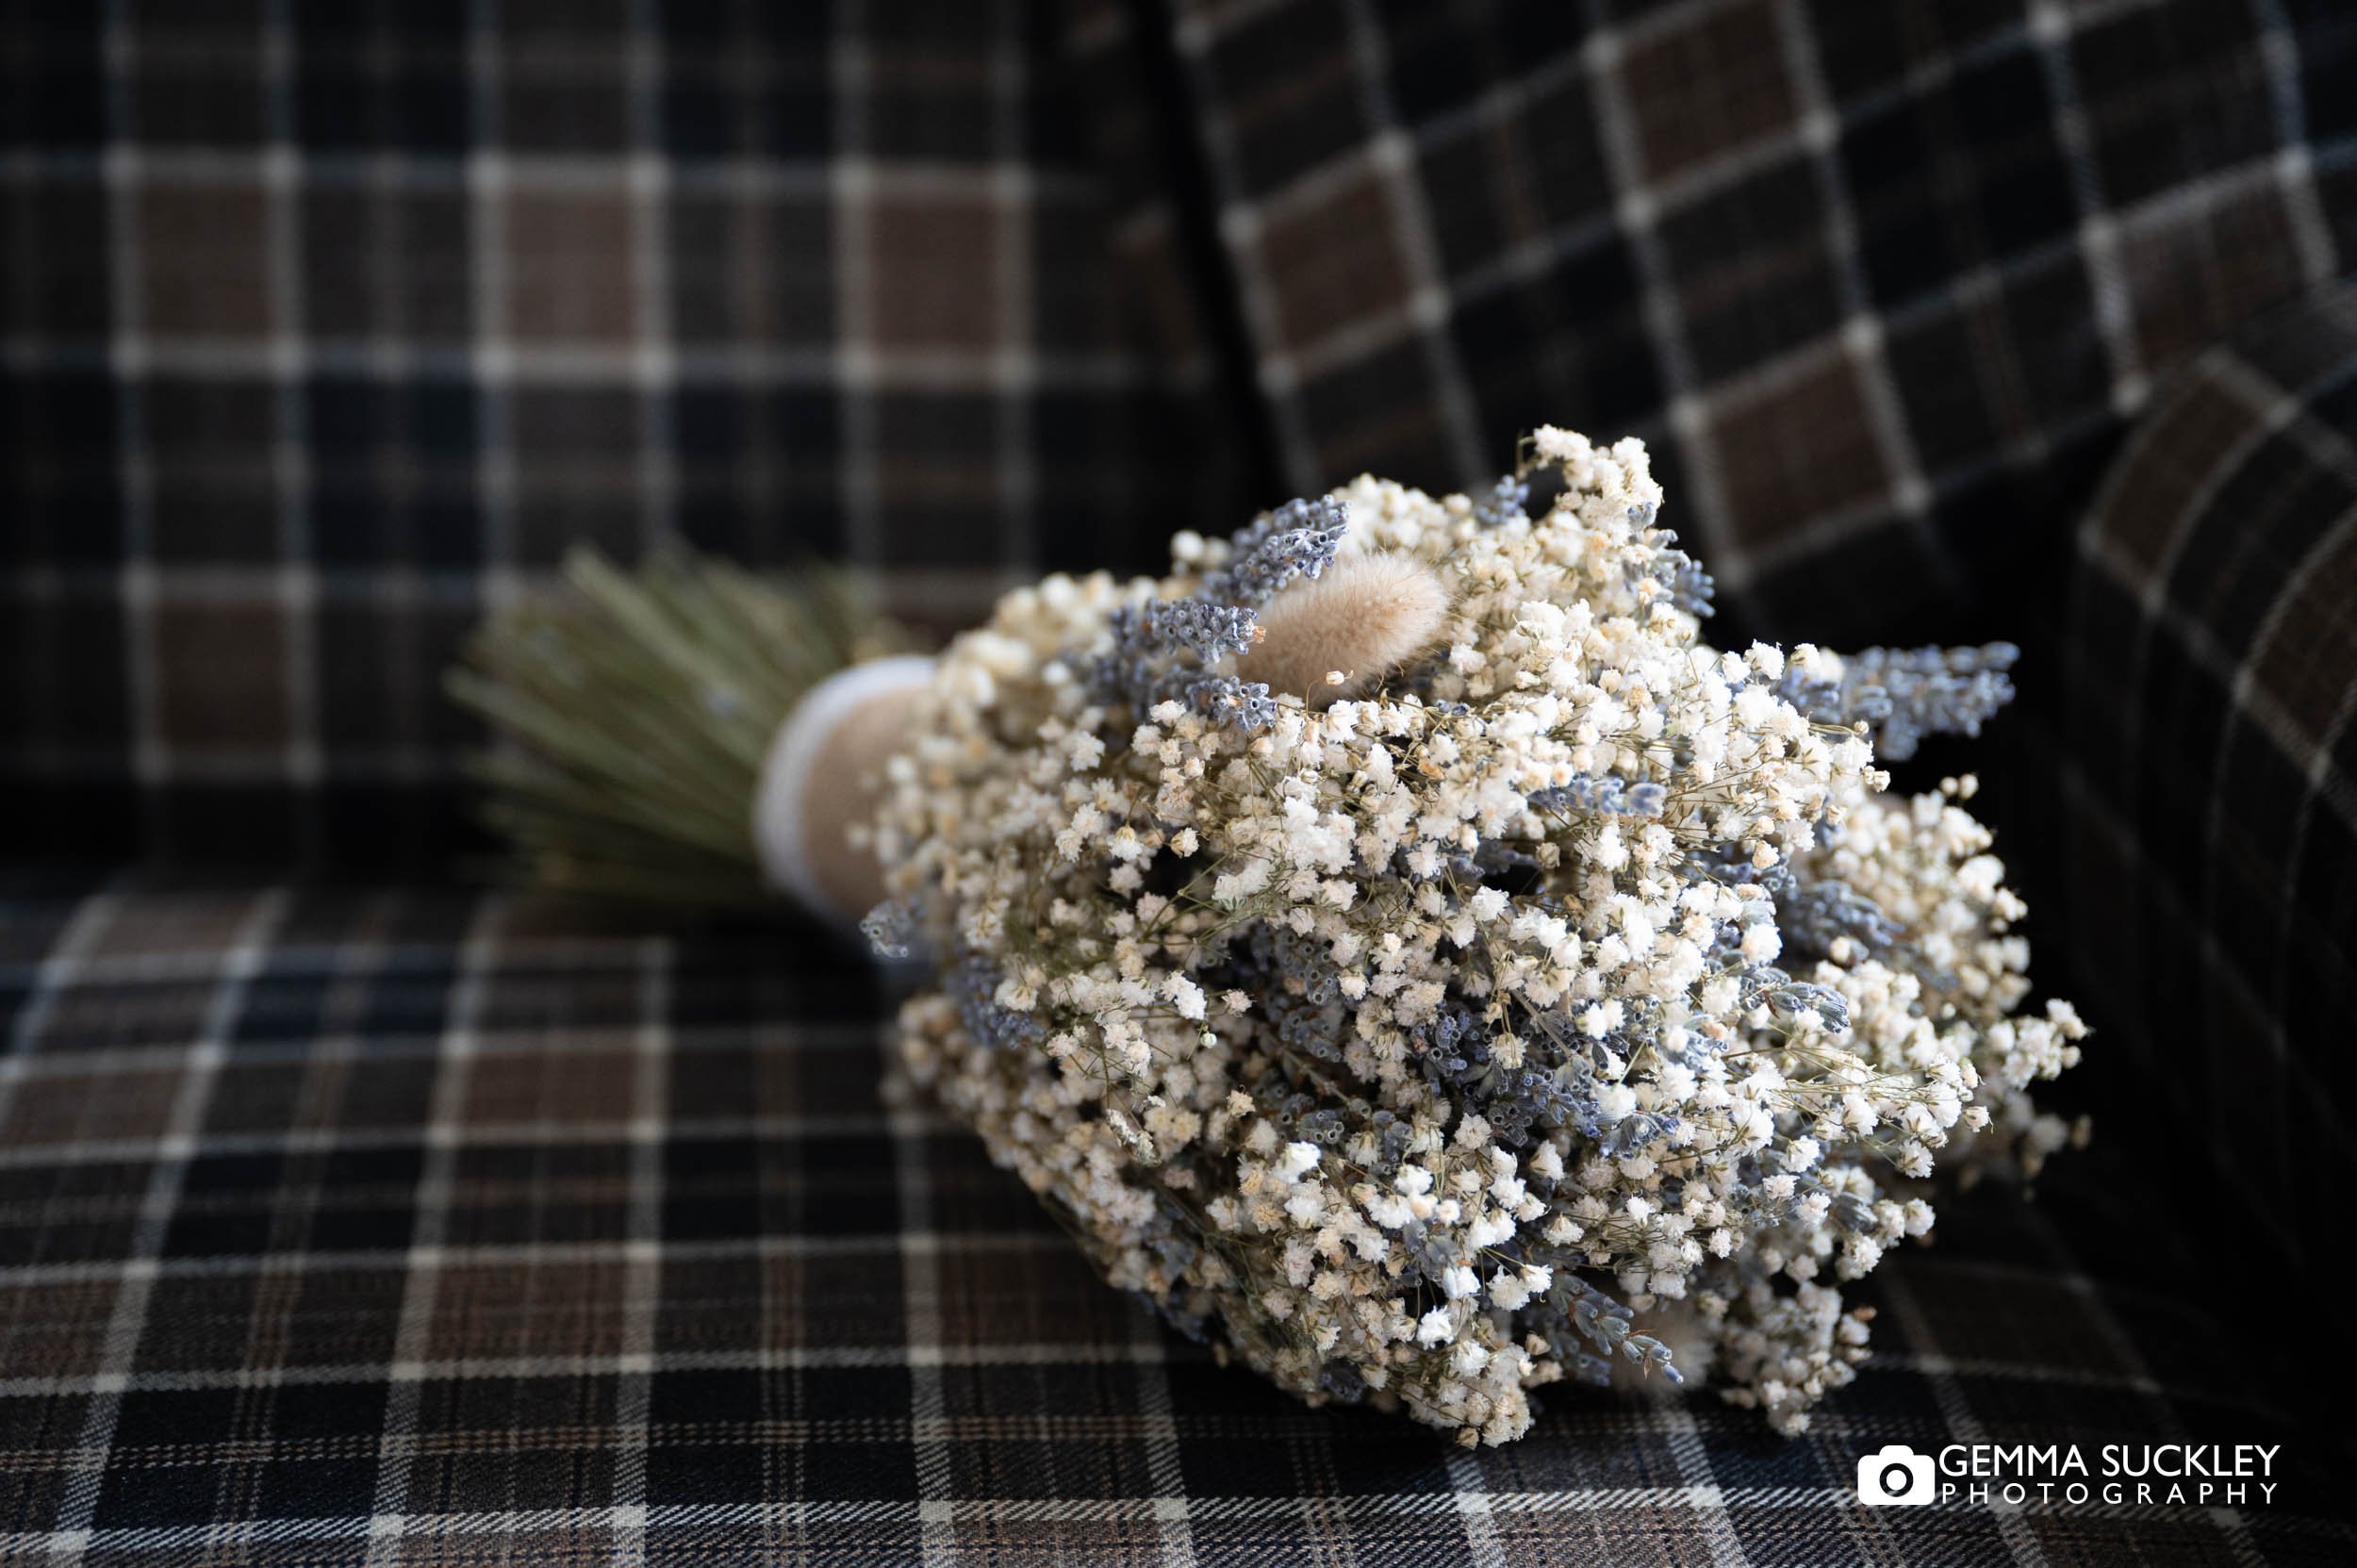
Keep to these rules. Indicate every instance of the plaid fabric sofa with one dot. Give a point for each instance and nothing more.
(352, 1214)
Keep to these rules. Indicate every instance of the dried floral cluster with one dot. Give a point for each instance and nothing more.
(1573, 1002)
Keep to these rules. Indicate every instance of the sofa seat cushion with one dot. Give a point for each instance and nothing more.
(345, 1225)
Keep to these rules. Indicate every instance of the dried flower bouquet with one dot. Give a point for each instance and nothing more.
(1399, 948)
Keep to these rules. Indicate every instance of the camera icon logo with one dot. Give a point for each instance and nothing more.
(1898, 1476)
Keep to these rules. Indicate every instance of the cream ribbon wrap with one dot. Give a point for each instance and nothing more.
(819, 777)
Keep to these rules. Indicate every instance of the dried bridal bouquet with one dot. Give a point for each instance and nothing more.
(1400, 950)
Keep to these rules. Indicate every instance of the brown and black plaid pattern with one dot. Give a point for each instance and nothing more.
(379, 1227)
(2210, 766)
(1883, 278)
(372, 1227)
(325, 324)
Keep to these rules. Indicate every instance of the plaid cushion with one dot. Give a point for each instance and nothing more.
(2210, 769)
(346, 1226)
(1882, 279)
(324, 325)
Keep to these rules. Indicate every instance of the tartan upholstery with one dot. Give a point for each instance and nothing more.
(2210, 769)
(325, 325)
(351, 1223)
(346, 1226)
(1884, 280)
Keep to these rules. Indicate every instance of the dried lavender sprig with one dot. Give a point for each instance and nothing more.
(890, 929)
(973, 984)
(1316, 514)
(1813, 917)
(1904, 694)
(1207, 630)
(1574, 1307)
(1166, 650)
(1254, 576)
(1603, 795)
(1507, 501)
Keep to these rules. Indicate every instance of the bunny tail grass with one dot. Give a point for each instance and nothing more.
(631, 711)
